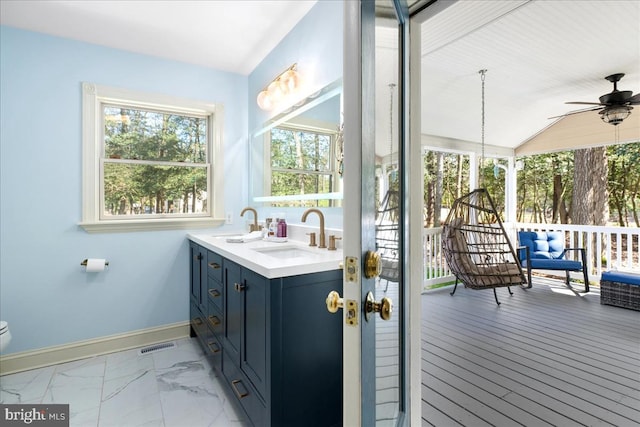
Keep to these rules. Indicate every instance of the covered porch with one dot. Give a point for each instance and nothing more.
(546, 356)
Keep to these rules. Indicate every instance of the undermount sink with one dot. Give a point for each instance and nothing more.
(287, 252)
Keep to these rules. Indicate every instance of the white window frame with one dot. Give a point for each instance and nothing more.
(93, 97)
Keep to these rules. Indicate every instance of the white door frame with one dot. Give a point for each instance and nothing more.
(353, 136)
(351, 390)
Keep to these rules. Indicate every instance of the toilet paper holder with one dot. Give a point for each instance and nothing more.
(84, 263)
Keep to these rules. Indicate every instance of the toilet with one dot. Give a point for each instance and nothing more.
(5, 335)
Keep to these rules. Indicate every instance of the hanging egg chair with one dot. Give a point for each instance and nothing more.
(474, 241)
(476, 246)
(387, 237)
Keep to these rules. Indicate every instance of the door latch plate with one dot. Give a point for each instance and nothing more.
(351, 269)
(351, 315)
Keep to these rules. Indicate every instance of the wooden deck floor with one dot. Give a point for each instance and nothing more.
(546, 356)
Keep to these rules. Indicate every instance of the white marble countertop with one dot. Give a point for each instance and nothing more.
(272, 259)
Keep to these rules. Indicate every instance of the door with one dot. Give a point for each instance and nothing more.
(377, 217)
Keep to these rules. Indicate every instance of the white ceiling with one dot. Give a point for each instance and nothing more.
(228, 35)
(538, 54)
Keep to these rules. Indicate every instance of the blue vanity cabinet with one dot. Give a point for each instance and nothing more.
(304, 356)
(214, 280)
(205, 301)
(280, 350)
(215, 316)
(244, 357)
(198, 272)
(233, 303)
(198, 302)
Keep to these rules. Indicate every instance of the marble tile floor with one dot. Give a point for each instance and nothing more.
(169, 387)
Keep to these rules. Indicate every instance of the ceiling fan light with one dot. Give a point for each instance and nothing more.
(615, 115)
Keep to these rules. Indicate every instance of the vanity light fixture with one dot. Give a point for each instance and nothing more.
(282, 86)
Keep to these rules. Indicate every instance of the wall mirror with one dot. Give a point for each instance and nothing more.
(296, 157)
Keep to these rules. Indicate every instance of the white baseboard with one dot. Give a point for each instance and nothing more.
(23, 361)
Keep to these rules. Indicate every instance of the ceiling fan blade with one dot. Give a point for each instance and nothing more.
(570, 113)
(585, 103)
(635, 99)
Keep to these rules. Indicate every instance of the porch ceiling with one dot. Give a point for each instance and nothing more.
(581, 130)
(539, 54)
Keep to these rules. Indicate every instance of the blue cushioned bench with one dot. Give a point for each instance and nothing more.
(620, 289)
(544, 250)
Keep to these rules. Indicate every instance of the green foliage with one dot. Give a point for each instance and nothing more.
(623, 182)
(546, 175)
(545, 185)
(536, 183)
(153, 161)
(301, 163)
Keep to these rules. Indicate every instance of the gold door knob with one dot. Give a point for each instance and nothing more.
(372, 264)
(384, 307)
(334, 302)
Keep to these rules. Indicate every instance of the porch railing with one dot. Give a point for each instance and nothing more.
(608, 248)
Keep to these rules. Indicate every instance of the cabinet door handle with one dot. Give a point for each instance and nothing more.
(214, 293)
(214, 265)
(239, 393)
(214, 347)
(239, 286)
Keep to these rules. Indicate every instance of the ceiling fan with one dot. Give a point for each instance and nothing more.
(614, 106)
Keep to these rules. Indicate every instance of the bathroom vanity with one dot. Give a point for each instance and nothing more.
(259, 312)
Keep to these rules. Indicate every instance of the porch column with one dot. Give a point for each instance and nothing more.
(511, 184)
(474, 169)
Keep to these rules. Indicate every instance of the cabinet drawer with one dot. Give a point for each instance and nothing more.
(244, 392)
(214, 292)
(198, 322)
(213, 349)
(214, 266)
(214, 319)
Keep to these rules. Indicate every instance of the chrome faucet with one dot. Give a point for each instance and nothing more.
(254, 226)
(321, 216)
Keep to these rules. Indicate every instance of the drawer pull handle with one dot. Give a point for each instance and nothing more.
(214, 265)
(197, 321)
(214, 320)
(214, 293)
(239, 393)
(239, 286)
(214, 347)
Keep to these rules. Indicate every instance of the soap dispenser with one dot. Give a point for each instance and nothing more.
(282, 228)
(273, 228)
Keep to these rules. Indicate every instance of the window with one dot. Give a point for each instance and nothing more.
(149, 161)
(302, 163)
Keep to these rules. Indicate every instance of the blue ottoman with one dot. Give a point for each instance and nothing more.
(620, 289)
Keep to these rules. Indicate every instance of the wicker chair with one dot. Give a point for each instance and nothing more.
(476, 246)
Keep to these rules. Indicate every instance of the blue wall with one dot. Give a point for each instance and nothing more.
(44, 294)
(316, 45)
